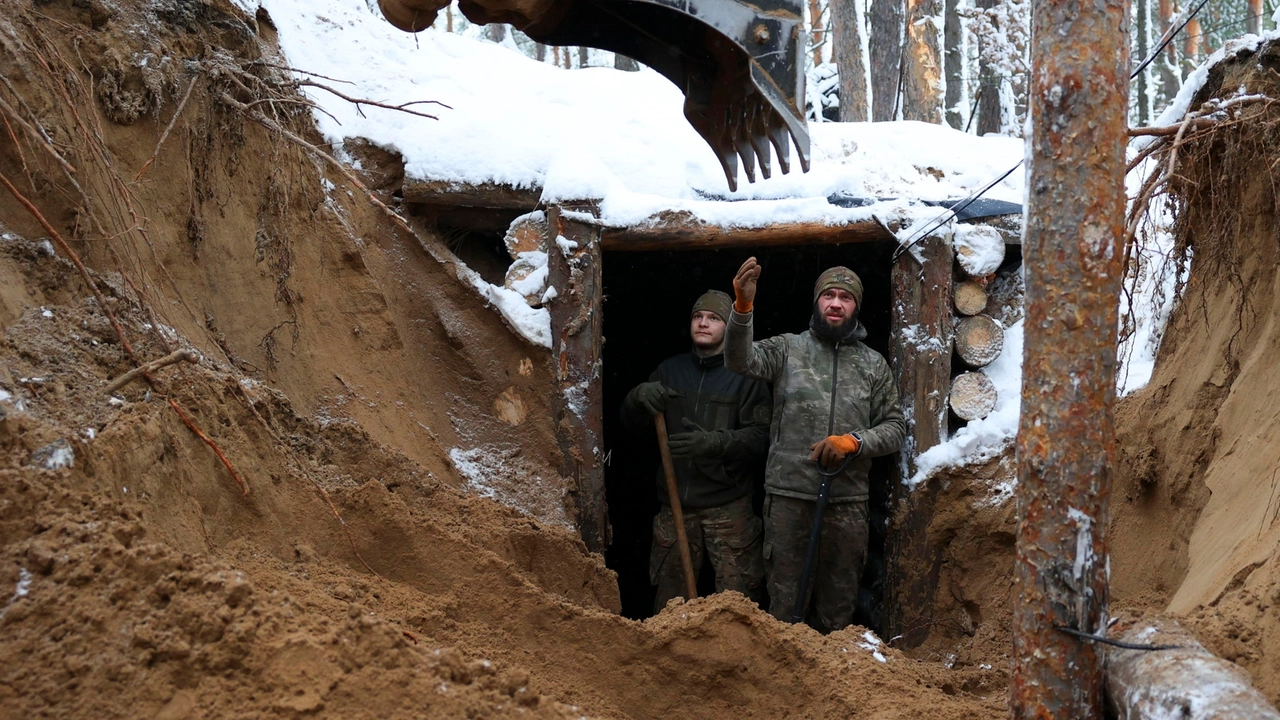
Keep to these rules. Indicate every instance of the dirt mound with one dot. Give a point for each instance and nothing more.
(344, 374)
(1197, 511)
(144, 582)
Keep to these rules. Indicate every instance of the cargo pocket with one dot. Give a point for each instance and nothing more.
(664, 543)
(724, 409)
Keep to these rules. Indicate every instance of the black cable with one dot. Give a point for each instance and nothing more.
(1168, 38)
(1114, 643)
(946, 217)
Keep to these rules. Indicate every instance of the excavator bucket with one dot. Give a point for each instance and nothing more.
(740, 66)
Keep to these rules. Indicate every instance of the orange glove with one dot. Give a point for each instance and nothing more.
(744, 286)
(833, 449)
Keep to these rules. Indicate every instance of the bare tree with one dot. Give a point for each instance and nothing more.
(1142, 43)
(953, 63)
(847, 52)
(816, 32)
(1167, 63)
(884, 28)
(922, 63)
(1254, 24)
(1193, 34)
(989, 120)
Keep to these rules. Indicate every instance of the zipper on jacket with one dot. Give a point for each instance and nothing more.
(835, 371)
(697, 401)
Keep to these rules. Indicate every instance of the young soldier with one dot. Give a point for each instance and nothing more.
(834, 399)
(719, 424)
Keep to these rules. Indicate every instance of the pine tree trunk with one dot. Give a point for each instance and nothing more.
(884, 25)
(622, 62)
(540, 52)
(847, 52)
(989, 82)
(583, 56)
(1254, 24)
(922, 63)
(1191, 47)
(815, 30)
(448, 14)
(497, 32)
(953, 63)
(1142, 84)
(1066, 446)
(1167, 65)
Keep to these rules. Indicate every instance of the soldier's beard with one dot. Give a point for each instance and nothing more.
(828, 333)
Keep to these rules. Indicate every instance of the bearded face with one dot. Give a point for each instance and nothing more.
(834, 316)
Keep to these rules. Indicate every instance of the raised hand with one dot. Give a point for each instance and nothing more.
(744, 285)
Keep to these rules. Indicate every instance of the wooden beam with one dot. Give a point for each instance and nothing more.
(577, 335)
(483, 195)
(682, 231)
(920, 354)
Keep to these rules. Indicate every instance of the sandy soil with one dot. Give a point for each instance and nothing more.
(361, 576)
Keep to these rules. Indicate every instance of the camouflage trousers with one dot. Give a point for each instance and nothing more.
(729, 535)
(837, 568)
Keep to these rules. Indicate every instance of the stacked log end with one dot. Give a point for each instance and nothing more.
(971, 298)
(979, 338)
(973, 396)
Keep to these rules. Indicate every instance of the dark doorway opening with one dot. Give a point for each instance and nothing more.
(647, 302)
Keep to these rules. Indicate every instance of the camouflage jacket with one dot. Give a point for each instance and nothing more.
(819, 390)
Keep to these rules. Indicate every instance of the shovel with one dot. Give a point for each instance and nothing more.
(673, 495)
(806, 576)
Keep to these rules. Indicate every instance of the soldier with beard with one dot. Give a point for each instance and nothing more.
(834, 399)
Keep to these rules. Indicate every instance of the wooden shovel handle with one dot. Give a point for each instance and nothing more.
(673, 495)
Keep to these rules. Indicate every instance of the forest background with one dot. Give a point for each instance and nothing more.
(959, 62)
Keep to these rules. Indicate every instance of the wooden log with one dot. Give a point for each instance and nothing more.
(682, 231)
(920, 355)
(573, 265)
(483, 195)
(973, 396)
(971, 298)
(979, 340)
(1187, 682)
(979, 248)
(526, 233)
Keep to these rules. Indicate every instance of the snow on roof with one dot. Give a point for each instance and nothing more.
(599, 133)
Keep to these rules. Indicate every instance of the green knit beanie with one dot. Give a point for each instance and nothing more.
(714, 301)
(839, 277)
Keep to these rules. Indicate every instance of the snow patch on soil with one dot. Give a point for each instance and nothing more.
(501, 473)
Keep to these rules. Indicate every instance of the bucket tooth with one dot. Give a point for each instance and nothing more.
(742, 139)
(729, 162)
(781, 140)
(758, 125)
